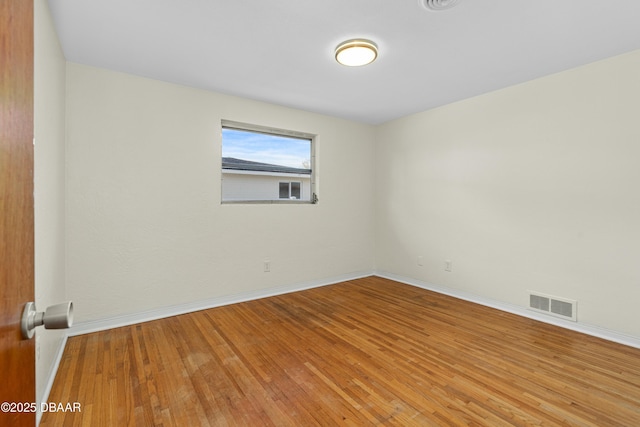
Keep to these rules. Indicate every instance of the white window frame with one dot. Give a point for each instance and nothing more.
(289, 187)
(312, 138)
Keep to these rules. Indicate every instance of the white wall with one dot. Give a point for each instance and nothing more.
(529, 188)
(146, 228)
(534, 187)
(49, 185)
(243, 185)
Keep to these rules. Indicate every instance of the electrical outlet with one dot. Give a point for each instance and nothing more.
(448, 265)
(267, 266)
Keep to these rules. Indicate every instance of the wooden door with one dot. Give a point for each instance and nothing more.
(17, 356)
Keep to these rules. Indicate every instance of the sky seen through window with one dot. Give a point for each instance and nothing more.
(266, 148)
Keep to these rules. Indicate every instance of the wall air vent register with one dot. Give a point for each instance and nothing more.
(559, 307)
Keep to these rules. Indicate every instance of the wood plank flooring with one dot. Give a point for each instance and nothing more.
(364, 352)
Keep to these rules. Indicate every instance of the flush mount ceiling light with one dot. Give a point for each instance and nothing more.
(357, 52)
(439, 4)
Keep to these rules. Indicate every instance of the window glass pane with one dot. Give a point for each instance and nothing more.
(266, 148)
(262, 165)
(284, 190)
(295, 190)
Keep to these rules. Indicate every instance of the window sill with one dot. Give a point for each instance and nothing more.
(268, 202)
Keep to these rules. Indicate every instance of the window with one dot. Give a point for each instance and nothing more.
(266, 165)
(290, 190)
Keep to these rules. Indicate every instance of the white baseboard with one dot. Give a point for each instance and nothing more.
(159, 313)
(592, 330)
(51, 377)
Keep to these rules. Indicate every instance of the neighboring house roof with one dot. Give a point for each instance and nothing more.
(247, 165)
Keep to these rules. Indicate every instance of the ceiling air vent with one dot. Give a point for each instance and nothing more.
(439, 4)
(560, 307)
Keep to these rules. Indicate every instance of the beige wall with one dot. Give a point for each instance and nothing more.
(527, 188)
(534, 187)
(49, 185)
(146, 228)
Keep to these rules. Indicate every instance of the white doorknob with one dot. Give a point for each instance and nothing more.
(59, 316)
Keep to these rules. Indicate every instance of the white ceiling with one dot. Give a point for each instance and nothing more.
(281, 51)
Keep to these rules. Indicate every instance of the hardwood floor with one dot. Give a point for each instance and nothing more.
(365, 352)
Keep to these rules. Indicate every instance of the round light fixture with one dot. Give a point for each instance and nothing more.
(357, 52)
